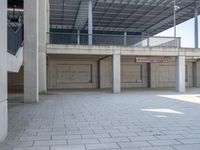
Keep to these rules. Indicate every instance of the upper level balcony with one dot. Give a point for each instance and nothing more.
(119, 22)
(114, 23)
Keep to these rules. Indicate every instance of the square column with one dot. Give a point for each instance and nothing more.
(116, 73)
(3, 72)
(42, 73)
(42, 36)
(31, 51)
(196, 76)
(180, 74)
(90, 23)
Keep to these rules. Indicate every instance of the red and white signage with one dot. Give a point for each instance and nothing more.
(154, 59)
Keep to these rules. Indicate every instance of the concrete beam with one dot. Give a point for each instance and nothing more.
(109, 50)
(42, 40)
(180, 73)
(116, 73)
(3, 72)
(128, 50)
(31, 51)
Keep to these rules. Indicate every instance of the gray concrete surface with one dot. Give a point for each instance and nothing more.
(31, 51)
(124, 51)
(3, 68)
(116, 73)
(180, 73)
(99, 120)
(42, 40)
(67, 71)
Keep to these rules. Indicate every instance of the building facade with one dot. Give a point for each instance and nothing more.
(96, 44)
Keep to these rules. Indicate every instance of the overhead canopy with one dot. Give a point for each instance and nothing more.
(15, 3)
(152, 16)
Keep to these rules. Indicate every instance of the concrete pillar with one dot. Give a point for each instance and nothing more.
(180, 74)
(196, 28)
(3, 71)
(42, 29)
(196, 76)
(90, 24)
(30, 51)
(116, 73)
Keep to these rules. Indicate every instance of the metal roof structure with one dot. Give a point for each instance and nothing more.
(15, 3)
(152, 16)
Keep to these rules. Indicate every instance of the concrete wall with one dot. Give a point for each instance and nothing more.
(64, 74)
(105, 73)
(132, 74)
(163, 75)
(3, 72)
(16, 81)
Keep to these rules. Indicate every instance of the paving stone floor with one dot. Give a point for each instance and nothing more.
(99, 120)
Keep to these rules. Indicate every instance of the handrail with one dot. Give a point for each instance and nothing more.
(115, 35)
(111, 39)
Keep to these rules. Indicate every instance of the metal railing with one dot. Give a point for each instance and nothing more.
(117, 40)
(15, 38)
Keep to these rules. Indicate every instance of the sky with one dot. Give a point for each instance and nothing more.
(185, 31)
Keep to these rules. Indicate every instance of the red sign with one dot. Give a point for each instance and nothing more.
(153, 59)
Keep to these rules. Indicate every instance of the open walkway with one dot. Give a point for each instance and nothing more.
(96, 120)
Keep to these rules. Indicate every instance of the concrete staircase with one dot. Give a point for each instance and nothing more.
(14, 62)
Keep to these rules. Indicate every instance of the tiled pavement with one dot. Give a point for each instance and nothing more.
(96, 120)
